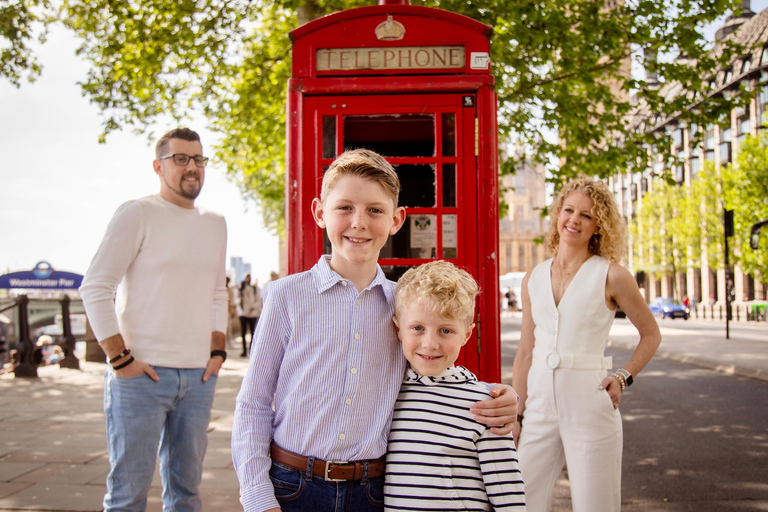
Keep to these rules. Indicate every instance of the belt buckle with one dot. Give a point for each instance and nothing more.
(328, 470)
(552, 360)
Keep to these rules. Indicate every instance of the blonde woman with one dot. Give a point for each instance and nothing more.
(569, 397)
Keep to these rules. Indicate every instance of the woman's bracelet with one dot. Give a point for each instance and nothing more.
(627, 376)
(123, 365)
(520, 419)
(620, 378)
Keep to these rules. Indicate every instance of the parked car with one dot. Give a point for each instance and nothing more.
(667, 307)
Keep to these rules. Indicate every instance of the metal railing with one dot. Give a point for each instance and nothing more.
(29, 354)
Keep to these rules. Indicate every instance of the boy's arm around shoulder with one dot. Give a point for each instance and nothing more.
(498, 412)
(252, 424)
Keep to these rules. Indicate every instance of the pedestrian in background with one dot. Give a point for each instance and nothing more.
(568, 412)
(250, 309)
(232, 316)
(162, 330)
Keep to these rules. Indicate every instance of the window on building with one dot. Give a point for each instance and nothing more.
(680, 168)
(764, 56)
(644, 185)
(677, 137)
(728, 76)
(725, 145)
(709, 145)
(508, 255)
(520, 182)
(744, 129)
(633, 192)
(534, 255)
(745, 65)
(521, 257)
(695, 166)
(762, 96)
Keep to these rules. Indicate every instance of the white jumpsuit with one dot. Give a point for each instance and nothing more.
(567, 418)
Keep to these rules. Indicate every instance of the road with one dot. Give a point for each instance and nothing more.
(694, 439)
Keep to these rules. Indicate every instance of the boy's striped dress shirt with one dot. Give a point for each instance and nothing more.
(439, 458)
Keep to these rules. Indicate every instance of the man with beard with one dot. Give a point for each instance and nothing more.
(162, 329)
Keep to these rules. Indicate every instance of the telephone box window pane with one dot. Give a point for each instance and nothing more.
(416, 239)
(449, 236)
(395, 272)
(417, 185)
(403, 135)
(449, 134)
(329, 136)
(449, 185)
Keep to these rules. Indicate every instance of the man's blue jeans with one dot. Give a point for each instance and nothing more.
(143, 414)
(298, 491)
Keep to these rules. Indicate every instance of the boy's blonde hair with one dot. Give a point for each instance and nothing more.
(451, 289)
(366, 164)
(610, 241)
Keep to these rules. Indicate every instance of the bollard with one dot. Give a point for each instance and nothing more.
(27, 366)
(70, 360)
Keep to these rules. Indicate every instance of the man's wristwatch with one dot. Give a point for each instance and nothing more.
(222, 353)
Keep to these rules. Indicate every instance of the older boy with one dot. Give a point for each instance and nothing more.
(439, 457)
(325, 352)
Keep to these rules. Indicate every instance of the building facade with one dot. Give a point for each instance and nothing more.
(521, 230)
(720, 145)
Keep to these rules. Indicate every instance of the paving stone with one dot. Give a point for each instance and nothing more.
(6, 489)
(12, 470)
(50, 497)
(58, 473)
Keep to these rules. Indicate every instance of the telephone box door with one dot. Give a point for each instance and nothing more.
(430, 140)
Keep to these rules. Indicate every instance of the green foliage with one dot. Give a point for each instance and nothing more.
(561, 68)
(707, 194)
(665, 229)
(745, 187)
(677, 227)
(18, 21)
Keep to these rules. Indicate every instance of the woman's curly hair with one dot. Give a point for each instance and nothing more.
(610, 241)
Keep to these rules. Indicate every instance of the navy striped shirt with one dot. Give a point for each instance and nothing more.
(439, 458)
(330, 358)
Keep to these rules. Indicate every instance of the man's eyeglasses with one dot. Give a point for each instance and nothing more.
(182, 159)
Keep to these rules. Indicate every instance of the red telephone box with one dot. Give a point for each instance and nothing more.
(413, 84)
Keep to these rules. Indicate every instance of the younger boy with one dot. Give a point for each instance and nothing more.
(439, 457)
(326, 353)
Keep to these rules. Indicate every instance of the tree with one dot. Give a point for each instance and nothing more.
(562, 71)
(666, 230)
(707, 212)
(745, 189)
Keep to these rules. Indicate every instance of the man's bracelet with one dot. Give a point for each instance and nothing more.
(222, 353)
(121, 366)
(119, 356)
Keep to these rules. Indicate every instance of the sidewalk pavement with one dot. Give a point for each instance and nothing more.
(53, 451)
(53, 448)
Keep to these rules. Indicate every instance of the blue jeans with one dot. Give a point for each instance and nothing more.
(143, 414)
(298, 492)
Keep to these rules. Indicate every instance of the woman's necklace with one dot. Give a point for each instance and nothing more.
(565, 277)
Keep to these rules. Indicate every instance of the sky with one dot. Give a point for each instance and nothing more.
(59, 187)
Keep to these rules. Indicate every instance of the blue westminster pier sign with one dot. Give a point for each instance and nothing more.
(42, 277)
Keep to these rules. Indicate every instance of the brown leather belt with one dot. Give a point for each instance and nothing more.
(330, 470)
